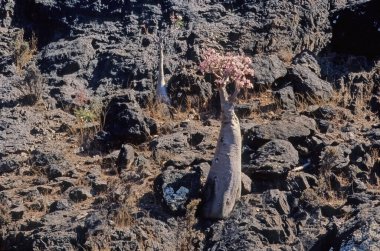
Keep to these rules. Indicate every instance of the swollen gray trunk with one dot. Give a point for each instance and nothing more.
(161, 91)
(223, 185)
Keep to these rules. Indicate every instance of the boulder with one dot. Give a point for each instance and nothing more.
(272, 160)
(286, 98)
(290, 127)
(67, 57)
(125, 158)
(7, 166)
(246, 184)
(334, 158)
(59, 205)
(308, 84)
(247, 229)
(189, 90)
(176, 188)
(17, 213)
(267, 68)
(126, 123)
(277, 199)
(360, 231)
(79, 194)
(307, 59)
(374, 136)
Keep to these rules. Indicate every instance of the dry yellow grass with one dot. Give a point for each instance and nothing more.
(24, 51)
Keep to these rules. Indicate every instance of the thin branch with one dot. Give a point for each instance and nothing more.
(233, 97)
(223, 94)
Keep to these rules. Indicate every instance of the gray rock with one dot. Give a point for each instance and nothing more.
(186, 86)
(301, 181)
(175, 188)
(334, 158)
(374, 136)
(174, 150)
(65, 183)
(37, 205)
(55, 171)
(17, 213)
(40, 158)
(125, 158)
(30, 194)
(273, 159)
(278, 200)
(246, 184)
(78, 194)
(99, 186)
(196, 138)
(360, 231)
(286, 98)
(307, 59)
(307, 83)
(7, 166)
(44, 190)
(127, 124)
(247, 229)
(31, 224)
(67, 57)
(244, 110)
(290, 127)
(268, 68)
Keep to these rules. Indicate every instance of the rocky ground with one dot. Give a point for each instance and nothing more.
(88, 160)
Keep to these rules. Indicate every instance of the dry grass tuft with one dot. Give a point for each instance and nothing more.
(286, 56)
(90, 119)
(5, 217)
(31, 86)
(24, 50)
(191, 237)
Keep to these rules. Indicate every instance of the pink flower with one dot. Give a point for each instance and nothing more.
(228, 67)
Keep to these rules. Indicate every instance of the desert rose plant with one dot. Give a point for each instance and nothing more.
(161, 91)
(223, 185)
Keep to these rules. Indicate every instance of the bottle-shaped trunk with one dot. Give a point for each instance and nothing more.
(223, 185)
(161, 91)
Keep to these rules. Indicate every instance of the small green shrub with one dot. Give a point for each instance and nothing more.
(85, 114)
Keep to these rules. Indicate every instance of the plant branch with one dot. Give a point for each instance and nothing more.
(233, 97)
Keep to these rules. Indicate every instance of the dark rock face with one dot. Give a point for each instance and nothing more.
(7, 166)
(286, 98)
(247, 229)
(127, 124)
(125, 158)
(356, 29)
(268, 68)
(307, 83)
(78, 194)
(273, 159)
(308, 59)
(360, 232)
(189, 90)
(57, 195)
(67, 57)
(289, 127)
(177, 187)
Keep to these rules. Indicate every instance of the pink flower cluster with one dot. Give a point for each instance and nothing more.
(227, 68)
